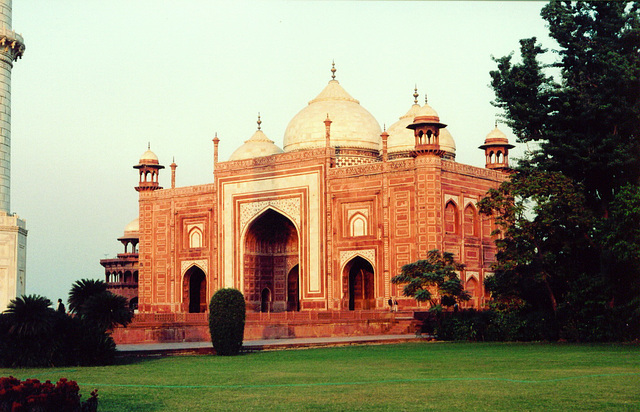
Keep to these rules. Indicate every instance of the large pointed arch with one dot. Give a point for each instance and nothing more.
(269, 246)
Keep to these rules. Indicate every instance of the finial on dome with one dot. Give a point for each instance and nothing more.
(384, 127)
(259, 121)
(496, 124)
(149, 146)
(415, 95)
(425, 98)
(333, 70)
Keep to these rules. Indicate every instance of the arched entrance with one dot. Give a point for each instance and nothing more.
(265, 300)
(358, 284)
(293, 293)
(195, 290)
(270, 247)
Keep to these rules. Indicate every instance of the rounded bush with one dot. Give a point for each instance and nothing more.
(226, 321)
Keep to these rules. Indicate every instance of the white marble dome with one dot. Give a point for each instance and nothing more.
(400, 138)
(148, 157)
(352, 125)
(132, 230)
(259, 145)
(496, 135)
(446, 141)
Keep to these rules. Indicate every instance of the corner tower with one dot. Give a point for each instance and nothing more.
(13, 233)
(149, 169)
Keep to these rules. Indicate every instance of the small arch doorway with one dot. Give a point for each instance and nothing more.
(265, 300)
(293, 300)
(358, 276)
(195, 290)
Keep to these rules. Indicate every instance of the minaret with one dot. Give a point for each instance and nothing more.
(426, 128)
(496, 150)
(149, 169)
(13, 233)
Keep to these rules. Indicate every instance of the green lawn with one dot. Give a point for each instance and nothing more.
(411, 376)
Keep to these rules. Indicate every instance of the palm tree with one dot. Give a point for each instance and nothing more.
(82, 290)
(30, 316)
(27, 332)
(106, 310)
(90, 300)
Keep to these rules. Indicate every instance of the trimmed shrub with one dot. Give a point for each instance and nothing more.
(33, 395)
(226, 321)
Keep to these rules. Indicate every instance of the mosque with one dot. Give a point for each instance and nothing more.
(315, 229)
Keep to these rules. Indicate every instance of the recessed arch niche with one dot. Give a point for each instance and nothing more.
(270, 249)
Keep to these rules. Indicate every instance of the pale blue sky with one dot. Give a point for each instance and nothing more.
(100, 79)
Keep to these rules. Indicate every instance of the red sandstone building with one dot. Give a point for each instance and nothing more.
(319, 226)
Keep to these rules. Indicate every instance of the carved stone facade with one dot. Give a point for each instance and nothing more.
(320, 226)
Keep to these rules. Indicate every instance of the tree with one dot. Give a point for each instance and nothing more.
(107, 310)
(587, 122)
(433, 280)
(82, 290)
(561, 220)
(26, 332)
(226, 321)
(545, 239)
(90, 300)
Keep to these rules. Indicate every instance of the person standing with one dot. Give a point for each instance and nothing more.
(61, 308)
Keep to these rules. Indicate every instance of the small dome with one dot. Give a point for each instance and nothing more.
(496, 135)
(148, 157)
(446, 141)
(496, 138)
(426, 115)
(259, 145)
(351, 124)
(400, 138)
(133, 226)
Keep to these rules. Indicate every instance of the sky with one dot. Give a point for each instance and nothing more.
(100, 80)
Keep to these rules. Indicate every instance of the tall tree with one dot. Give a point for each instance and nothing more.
(587, 122)
(567, 215)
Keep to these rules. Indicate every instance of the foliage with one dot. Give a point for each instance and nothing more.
(569, 218)
(90, 300)
(82, 290)
(33, 395)
(226, 321)
(493, 326)
(33, 334)
(433, 280)
(26, 329)
(105, 310)
(586, 124)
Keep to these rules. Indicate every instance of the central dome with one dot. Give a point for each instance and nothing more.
(352, 125)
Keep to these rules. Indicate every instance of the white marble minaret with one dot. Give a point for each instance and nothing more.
(13, 232)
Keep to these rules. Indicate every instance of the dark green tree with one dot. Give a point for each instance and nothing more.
(433, 280)
(90, 300)
(580, 118)
(226, 321)
(107, 310)
(82, 290)
(585, 121)
(545, 243)
(27, 332)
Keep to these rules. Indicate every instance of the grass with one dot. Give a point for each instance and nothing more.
(402, 377)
